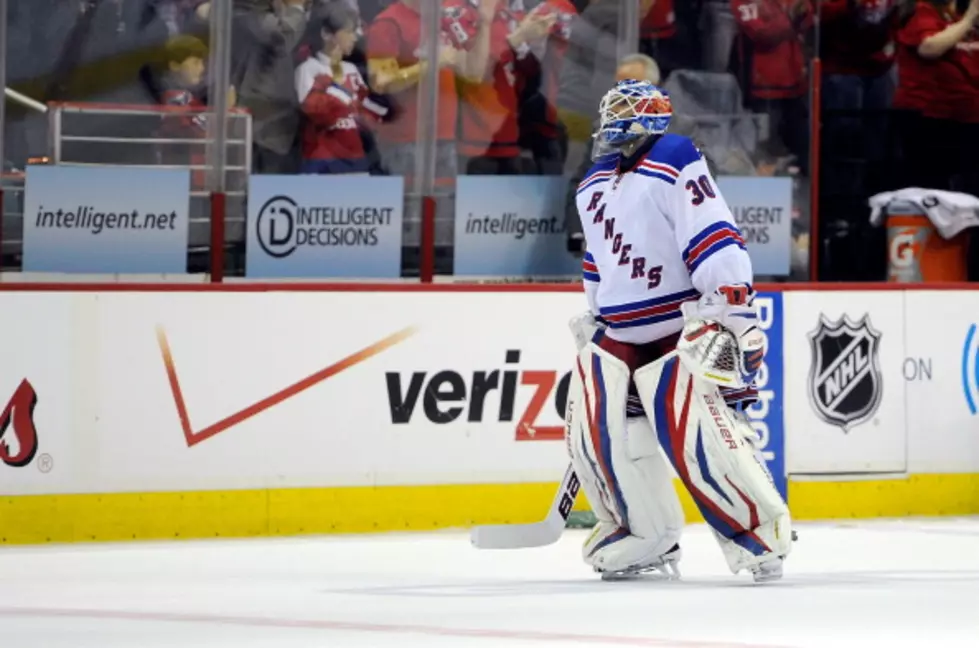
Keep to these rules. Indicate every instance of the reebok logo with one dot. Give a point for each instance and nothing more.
(447, 395)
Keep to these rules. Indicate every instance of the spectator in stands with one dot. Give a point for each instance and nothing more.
(333, 95)
(718, 30)
(588, 70)
(774, 66)
(182, 80)
(179, 16)
(396, 69)
(488, 106)
(657, 34)
(264, 35)
(857, 51)
(634, 66)
(936, 90)
(856, 46)
(541, 131)
(968, 179)
(181, 85)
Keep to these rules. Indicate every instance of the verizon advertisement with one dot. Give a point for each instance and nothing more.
(188, 391)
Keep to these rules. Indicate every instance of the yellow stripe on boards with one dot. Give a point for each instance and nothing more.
(32, 519)
(953, 494)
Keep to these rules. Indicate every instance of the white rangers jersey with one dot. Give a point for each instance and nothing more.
(658, 233)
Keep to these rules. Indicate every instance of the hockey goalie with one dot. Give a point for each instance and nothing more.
(668, 353)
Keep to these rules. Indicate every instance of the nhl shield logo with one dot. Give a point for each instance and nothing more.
(845, 383)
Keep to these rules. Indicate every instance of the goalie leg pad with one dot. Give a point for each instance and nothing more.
(620, 468)
(709, 448)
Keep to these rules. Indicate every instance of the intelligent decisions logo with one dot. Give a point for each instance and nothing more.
(284, 226)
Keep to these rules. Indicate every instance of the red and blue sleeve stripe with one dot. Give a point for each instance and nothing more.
(709, 241)
(648, 311)
(589, 270)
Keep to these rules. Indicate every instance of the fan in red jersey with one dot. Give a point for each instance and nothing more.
(563, 12)
(771, 45)
(935, 89)
(540, 129)
(658, 34)
(182, 79)
(333, 96)
(489, 106)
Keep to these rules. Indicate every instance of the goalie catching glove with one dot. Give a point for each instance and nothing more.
(721, 342)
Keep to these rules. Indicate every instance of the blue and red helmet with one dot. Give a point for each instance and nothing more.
(633, 110)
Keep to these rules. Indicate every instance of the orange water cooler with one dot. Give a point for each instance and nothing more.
(917, 253)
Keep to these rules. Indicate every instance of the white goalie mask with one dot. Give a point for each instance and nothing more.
(631, 111)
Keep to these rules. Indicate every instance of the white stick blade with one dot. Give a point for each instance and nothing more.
(514, 536)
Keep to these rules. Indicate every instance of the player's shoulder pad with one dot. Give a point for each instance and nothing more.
(675, 151)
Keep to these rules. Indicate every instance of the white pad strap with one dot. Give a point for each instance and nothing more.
(583, 327)
(706, 443)
(620, 466)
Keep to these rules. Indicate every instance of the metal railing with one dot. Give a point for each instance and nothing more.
(134, 136)
(142, 126)
(12, 220)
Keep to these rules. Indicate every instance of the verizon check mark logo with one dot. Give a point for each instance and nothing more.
(194, 437)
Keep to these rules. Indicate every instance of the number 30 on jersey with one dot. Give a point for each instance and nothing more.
(701, 190)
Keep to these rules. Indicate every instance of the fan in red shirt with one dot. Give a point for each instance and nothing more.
(393, 48)
(657, 32)
(857, 51)
(540, 129)
(185, 57)
(333, 96)
(936, 89)
(771, 46)
(488, 108)
(969, 52)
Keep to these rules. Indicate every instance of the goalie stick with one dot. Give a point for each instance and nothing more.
(535, 534)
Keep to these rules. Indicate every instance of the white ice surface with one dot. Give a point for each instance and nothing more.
(897, 583)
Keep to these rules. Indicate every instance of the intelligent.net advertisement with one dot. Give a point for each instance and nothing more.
(512, 226)
(515, 227)
(106, 220)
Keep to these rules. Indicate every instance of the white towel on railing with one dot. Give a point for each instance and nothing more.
(950, 212)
